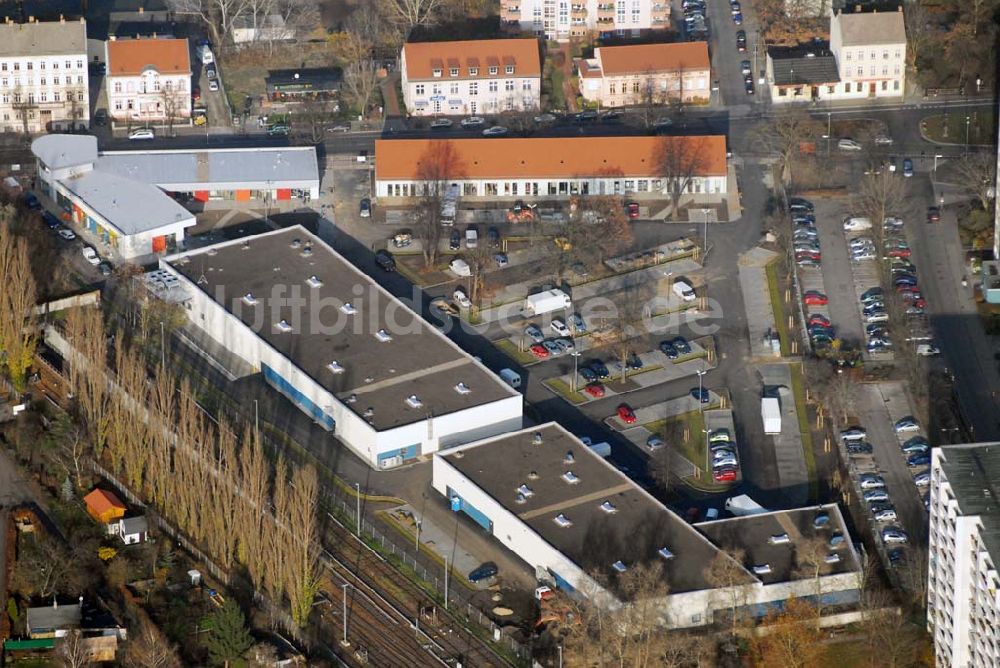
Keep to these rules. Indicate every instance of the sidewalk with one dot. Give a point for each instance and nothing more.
(757, 300)
(788, 454)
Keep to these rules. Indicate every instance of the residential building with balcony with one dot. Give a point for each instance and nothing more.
(562, 20)
(963, 548)
(43, 76)
(148, 80)
(472, 77)
(870, 49)
(619, 76)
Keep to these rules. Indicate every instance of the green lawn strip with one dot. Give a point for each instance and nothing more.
(776, 307)
(507, 347)
(561, 388)
(693, 449)
(692, 356)
(807, 443)
(980, 130)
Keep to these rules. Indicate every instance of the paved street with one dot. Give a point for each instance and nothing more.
(788, 453)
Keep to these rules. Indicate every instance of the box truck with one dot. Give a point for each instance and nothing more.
(546, 302)
(770, 411)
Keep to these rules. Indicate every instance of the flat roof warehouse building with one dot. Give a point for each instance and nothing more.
(341, 348)
(566, 511)
(125, 197)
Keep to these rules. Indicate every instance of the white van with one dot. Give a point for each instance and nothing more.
(460, 267)
(857, 224)
(511, 377)
(684, 290)
(205, 54)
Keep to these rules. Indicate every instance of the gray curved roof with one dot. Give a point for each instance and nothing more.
(61, 151)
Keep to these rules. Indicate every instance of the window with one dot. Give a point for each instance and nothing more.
(453, 89)
(526, 85)
(79, 96)
(508, 85)
(847, 88)
(861, 71)
(31, 65)
(635, 86)
(643, 185)
(474, 88)
(612, 87)
(509, 69)
(3, 66)
(68, 64)
(41, 65)
(885, 85)
(41, 81)
(494, 86)
(436, 72)
(831, 89)
(118, 87)
(156, 85)
(79, 64)
(473, 71)
(55, 65)
(885, 55)
(79, 79)
(895, 85)
(6, 117)
(782, 92)
(4, 82)
(31, 98)
(43, 97)
(436, 89)
(885, 70)
(453, 72)
(6, 98)
(418, 89)
(897, 53)
(55, 96)
(896, 70)
(873, 55)
(493, 69)
(55, 80)
(17, 66)
(118, 105)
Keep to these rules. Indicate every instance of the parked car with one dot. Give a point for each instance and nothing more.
(539, 351)
(559, 327)
(815, 298)
(90, 255)
(626, 414)
(485, 571)
(719, 436)
(857, 223)
(794, 203)
(700, 394)
(501, 260)
(885, 515)
(668, 349)
(51, 221)
(455, 240)
(847, 144)
(904, 424)
(599, 368)
(894, 535)
(875, 495)
(927, 350)
(872, 295)
(461, 298)
(682, 345)
(66, 234)
(871, 482)
(933, 214)
(577, 323)
(917, 460)
(441, 124)
(724, 462)
(818, 319)
(654, 442)
(859, 448)
(907, 167)
(385, 260)
(495, 131)
(595, 390)
(473, 122)
(724, 475)
(365, 208)
(853, 434)
(533, 333)
(922, 479)
(564, 345)
(140, 134)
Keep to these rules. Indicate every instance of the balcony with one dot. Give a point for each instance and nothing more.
(578, 12)
(605, 12)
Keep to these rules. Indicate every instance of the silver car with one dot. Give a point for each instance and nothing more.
(885, 515)
(876, 495)
(872, 482)
(533, 333)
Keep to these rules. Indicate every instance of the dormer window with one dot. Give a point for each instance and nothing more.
(348, 309)
(509, 69)
(383, 336)
(249, 299)
(563, 521)
(494, 69)
(473, 71)
(413, 401)
(453, 72)
(335, 367)
(436, 72)
(283, 326)
(314, 282)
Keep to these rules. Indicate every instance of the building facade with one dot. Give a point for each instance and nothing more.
(148, 80)
(647, 74)
(472, 77)
(870, 49)
(562, 20)
(43, 76)
(799, 74)
(963, 605)
(551, 168)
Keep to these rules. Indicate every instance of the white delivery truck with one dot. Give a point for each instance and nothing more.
(546, 302)
(770, 412)
(684, 290)
(449, 205)
(205, 54)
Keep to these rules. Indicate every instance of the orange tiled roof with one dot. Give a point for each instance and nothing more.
(100, 501)
(423, 57)
(132, 56)
(618, 60)
(544, 157)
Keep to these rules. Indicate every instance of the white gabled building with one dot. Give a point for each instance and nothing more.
(870, 49)
(963, 587)
(148, 80)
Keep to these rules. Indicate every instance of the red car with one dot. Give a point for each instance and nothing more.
(626, 414)
(898, 252)
(724, 475)
(195, 93)
(908, 289)
(632, 209)
(539, 351)
(595, 390)
(818, 319)
(815, 298)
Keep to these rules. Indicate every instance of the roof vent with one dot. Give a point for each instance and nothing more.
(563, 521)
(570, 477)
(462, 388)
(369, 413)
(619, 566)
(521, 499)
(348, 308)
(246, 244)
(249, 299)
(569, 458)
(525, 491)
(307, 251)
(314, 282)
(383, 336)
(296, 242)
(536, 439)
(212, 251)
(284, 327)
(532, 475)
(665, 553)
(608, 507)
(335, 367)
(413, 401)
(352, 399)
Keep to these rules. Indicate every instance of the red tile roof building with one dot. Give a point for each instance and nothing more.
(149, 79)
(646, 74)
(472, 77)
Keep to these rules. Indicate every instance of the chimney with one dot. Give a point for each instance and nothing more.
(62, 19)
(55, 603)
(31, 19)
(857, 8)
(81, 600)
(142, 10)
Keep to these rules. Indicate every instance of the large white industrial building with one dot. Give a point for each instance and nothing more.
(357, 360)
(568, 513)
(963, 606)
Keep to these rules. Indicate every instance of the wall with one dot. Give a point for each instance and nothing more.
(505, 187)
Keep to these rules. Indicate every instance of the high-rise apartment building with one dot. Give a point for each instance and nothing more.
(564, 19)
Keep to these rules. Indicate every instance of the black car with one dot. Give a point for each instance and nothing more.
(385, 260)
(599, 368)
(682, 346)
(493, 237)
(101, 117)
(741, 41)
(105, 268)
(211, 73)
(50, 220)
(587, 374)
(668, 349)
(859, 448)
(799, 204)
(749, 87)
(633, 362)
(32, 202)
(486, 571)
(455, 241)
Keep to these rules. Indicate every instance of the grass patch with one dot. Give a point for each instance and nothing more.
(692, 356)
(950, 128)
(563, 389)
(245, 70)
(694, 448)
(802, 410)
(507, 347)
(776, 306)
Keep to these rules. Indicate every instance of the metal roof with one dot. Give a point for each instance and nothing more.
(796, 67)
(60, 151)
(973, 471)
(132, 206)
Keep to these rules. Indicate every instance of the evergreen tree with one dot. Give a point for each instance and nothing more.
(228, 638)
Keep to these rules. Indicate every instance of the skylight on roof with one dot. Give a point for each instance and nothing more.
(249, 299)
(383, 336)
(563, 521)
(413, 401)
(335, 367)
(462, 388)
(525, 491)
(619, 566)
(665, 553)
(570, 477)
(348, 308)
(314, 282)
(283, 326)
(608, 507)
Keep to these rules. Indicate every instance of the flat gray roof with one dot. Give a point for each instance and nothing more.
(418, 360)
(59, 151)
(752, 533)
(973, 471)
(639, 526)
(218, 169)
(50, 38)
(130, 205)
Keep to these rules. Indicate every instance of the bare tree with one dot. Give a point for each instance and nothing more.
(632, 305)
(679, 161)
(439, 164)
(410, 14)
(66, 441)
(18, 329)
(977, 172)
(360, 83)
(72, 651)
(149, 648)
(882, 193)
(784, 136)
(731, 581)
(218, 15)
(810, 561)
(173, 102)
(919, 33)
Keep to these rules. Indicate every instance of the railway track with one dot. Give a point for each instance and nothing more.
(412, 638)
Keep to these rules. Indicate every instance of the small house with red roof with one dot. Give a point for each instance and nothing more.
(104, 506)
(149, 80)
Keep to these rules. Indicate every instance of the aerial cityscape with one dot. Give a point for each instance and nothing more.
(499, 333)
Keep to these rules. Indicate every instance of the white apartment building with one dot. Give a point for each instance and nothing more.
(962, 601)
(646, 74)
(472, 77)
(43, 76)
(870, 49)
(148, 80)
(562, 20)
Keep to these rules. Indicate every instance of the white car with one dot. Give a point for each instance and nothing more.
(857, 223)
(213, 85)
(927, 350)
(872, 482)
(922, 479)
(141, 133)
(684, 290)
(848, 145)
(460, 267)
(66, 234)
(90, 255)
(885, 515)
(441, 123)
(883, 140)
(473, 122)
(461, 298)
(894, 535)
(559, 327)
(654, 443)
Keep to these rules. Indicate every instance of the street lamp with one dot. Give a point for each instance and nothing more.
(357, 488)
(576, 363)
(829, 131)
(967, 119)
(701, 388)
(344, 587)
